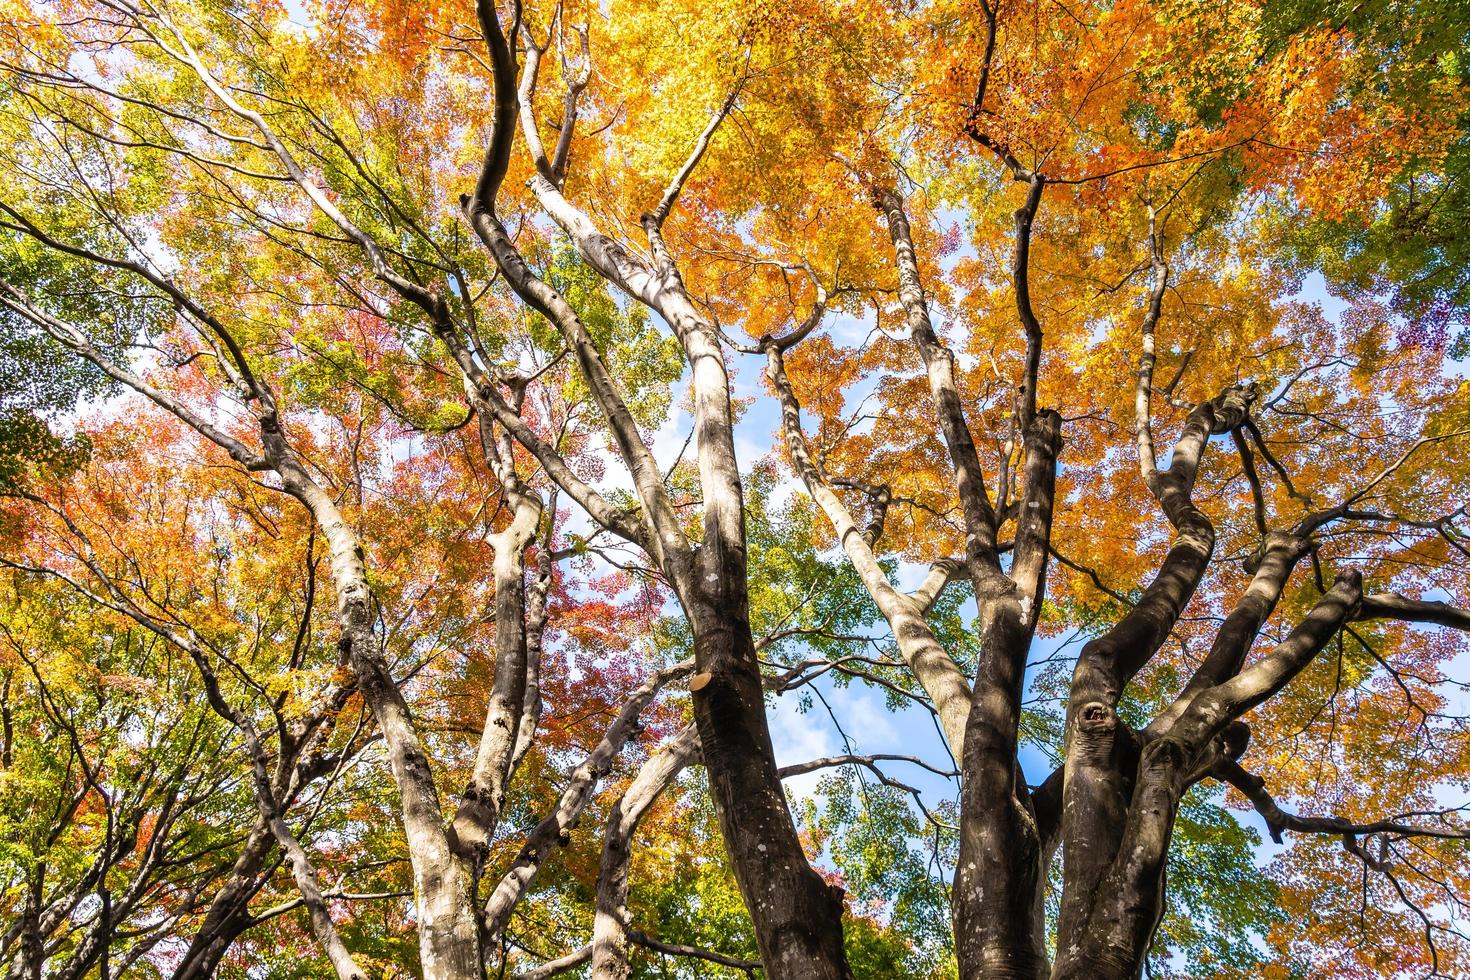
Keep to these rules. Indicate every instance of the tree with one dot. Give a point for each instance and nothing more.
(419, 274)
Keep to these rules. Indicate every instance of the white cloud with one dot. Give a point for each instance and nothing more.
(799, 737)
(865, 718)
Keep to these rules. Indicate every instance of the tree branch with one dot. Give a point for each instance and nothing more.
(1253, 787)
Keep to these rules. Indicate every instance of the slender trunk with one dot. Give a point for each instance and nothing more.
(535, 638)
(448, 930)
(934, 668)
(797, 915)
(610, 926)
(449, 946)
(479, 811)
(578, 792)
(211, 943)
(228, 914)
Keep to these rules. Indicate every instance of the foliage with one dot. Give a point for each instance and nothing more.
(185, 195)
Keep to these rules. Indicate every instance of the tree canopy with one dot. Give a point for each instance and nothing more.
(937, 488)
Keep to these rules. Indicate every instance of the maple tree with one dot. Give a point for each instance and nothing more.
(341, 344)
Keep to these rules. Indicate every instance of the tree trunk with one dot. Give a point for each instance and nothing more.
(228, 914)
(449, 939)
(797, 915)
(999, 927)
(610, 926)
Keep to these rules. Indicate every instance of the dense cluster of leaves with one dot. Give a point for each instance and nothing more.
(1303, 168)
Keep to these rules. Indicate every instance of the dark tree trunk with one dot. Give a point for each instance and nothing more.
(797, 915)
(999, 927)
(228, 914)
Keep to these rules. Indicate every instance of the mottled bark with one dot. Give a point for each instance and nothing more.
(484, 797)
(797, 916)
(1111, 807)
(1112, 938)
(998, 888)
(564, 817)
(610, 926)
(999, 882)
(1101, 750)
(448, 931)
(228, 916)
(931, 664)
